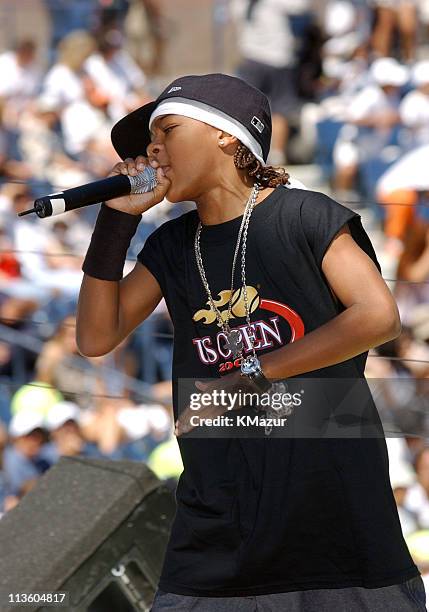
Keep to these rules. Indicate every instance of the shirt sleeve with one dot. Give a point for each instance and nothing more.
(366, 101)
(151, 256)
(322, 218)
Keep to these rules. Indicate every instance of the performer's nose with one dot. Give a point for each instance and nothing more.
(152, 149)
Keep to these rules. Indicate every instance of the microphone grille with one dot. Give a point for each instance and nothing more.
(143, 181)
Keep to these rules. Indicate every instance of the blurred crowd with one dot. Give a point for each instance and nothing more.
(348, 83)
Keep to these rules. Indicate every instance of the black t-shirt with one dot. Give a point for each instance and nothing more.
(264, 515)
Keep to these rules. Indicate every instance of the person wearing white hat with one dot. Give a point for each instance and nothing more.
(61, 413)
(269, 62)
(371, 118)
(63, 423)
(23, 459)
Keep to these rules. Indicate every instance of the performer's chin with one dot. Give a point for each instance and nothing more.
(175, 195)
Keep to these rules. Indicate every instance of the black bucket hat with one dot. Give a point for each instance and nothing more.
(230, 95)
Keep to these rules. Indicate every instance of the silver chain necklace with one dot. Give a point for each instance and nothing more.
(233, 336)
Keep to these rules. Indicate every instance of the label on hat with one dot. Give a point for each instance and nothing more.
(174, 89)
(257, 123)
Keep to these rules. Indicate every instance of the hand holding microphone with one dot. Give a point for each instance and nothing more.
(133, 186)
(136, 204)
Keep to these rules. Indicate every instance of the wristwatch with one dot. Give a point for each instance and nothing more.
(251, 367)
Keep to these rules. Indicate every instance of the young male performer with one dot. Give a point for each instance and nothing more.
(270, 521)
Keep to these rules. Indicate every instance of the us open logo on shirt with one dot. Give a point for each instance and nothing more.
(266, 333)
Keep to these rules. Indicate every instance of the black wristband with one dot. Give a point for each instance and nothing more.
(109, 244)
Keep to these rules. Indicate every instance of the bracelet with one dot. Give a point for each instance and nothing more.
(251, 368)
(109, 244)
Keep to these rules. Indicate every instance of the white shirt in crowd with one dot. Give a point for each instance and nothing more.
(118, 78)
(417, 501)
(17, 81)
(63, 85)
(370, 101)
(82, 123)
(31, 240)
(414, 111)
(267, 37)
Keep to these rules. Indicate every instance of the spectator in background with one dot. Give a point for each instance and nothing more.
(64, 81)
(339, 24)
(418, 545)
(419, 320)
(414, 109)
(39, 280)
(54, 366)
(66, 437)
(146, 427)
(144, 29)
(117, 76)
(20, 76)
(10, 166)
(23, 460)
(392, 16)
(413, 265)
(41, 146)
(9, 265)
(69, 15)
(401, 480)
(84, 121)
(401, 188)
(269, 57)
(101, 427)
(372, 117)
(417, 497)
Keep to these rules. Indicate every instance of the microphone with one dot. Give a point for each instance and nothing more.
(93, 193)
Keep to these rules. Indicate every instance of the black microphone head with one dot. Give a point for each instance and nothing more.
(43, 207)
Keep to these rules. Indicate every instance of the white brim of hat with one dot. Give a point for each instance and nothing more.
(421, 73)
(24, 422)
(387, 71)
(60, 413)
(212, 116)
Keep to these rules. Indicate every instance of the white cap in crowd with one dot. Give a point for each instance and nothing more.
(140, 420)
(388, 71)
(340, 18)
(60, 413)
(24, 422)
(420, 73)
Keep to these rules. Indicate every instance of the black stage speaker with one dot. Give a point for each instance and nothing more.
(93, 528)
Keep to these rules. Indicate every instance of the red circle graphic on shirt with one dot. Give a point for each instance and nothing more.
(292, 317)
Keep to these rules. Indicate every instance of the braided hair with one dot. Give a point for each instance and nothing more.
(266, 176)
